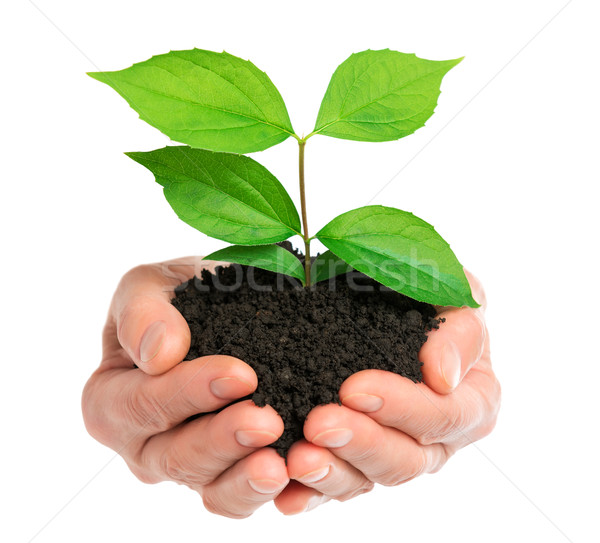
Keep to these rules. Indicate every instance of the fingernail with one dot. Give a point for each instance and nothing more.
(333, 438)
(315, 475)
(363, 402)
(254, 438)
(229, 388)
(152, 340)
(266, 486)
(450, 364)
(314, 502)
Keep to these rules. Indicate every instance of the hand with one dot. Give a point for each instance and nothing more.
(390, 430)
(143, 413)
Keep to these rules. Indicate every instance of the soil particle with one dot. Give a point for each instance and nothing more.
(303, 343)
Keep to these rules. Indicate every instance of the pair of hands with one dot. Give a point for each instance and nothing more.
(388, 429)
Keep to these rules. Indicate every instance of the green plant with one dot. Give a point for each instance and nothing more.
(221, 106)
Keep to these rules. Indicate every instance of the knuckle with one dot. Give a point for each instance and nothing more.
(435, 457)
(211, 504)
(92, 417)
(449, 426)
(439, 430)
(173, 468)
(144, 411)
(177, 467)
(365, 487)
(418, 463)
(467, 420)
(143, 474)
(392, 478)
(96, 419)
(401, 467)
(412, 466)
(463, 415)
(215, 504)
(421, 462)
(428, 437)
(180, 470)
(425, 440)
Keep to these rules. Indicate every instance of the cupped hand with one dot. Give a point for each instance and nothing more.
(144, 413)
(388, 429)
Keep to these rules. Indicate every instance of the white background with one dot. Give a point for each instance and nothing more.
(506, 169)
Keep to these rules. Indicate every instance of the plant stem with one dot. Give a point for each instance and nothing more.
(305, 236)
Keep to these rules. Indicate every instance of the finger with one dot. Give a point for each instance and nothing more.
(321, 470)
(452, 350)
(466, 415)
(198, 386)
(297, 498)
(384, 455)
(123, 405)
(144, 325)
(197, 452)
(248, 484)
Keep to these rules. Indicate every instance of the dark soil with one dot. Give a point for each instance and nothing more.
(303, 343)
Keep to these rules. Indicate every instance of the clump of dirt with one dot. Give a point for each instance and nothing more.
(303, 343)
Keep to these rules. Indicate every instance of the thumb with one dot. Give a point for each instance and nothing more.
(450, 352)
(153, 333)
(144, 323)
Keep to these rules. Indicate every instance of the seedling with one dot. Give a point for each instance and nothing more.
(221, 106)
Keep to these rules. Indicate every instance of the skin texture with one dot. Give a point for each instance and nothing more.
(388, 429)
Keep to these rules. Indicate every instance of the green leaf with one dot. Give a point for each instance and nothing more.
(326, 266)
(225, 196)
(381, 96)
(205, 99)
(400, 251)
(267, 257)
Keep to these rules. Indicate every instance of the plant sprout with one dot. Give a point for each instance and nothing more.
(221, 106)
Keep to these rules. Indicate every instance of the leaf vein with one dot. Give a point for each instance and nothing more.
(215, 108)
